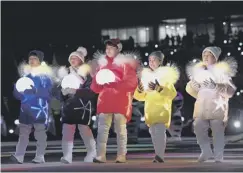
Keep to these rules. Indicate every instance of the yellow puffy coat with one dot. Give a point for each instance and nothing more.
(158, 104)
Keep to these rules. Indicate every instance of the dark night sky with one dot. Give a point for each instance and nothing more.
(28, 25)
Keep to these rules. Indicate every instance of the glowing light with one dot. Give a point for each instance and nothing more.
(16, 122)
(225, 41)
(24, 83)
(94, 118)
(173, 27)
(146, 54)
(146, 78)
(241, 53)
(105, 76)
(11, 131)
(156, 46)
(168, 64)
(240, 43)
(70, 81)
(228, 54)
(181, 26)
(237, 124)
(194, 60)
(238, 93)
(224, 23)
(182, 119)
(147, 29)
(171, 52)
(203, 75)
(142, 119)
(167, 26)
(145, 63)
(241, 91)
(43, 108)
(175, 50)
(239, 48)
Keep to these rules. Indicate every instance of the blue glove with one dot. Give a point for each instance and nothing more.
(30, 91)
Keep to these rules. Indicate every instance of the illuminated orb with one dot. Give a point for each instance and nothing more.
(71, 81)
(203, 76)
(24, 83)
(105, 76)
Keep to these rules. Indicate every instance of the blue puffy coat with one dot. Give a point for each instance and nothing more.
(35, 102)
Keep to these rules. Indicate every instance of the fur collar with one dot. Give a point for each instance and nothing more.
(226, 68)
(25, 69)
(164, 74)
(119, 60)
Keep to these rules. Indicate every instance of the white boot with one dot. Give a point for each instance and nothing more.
(206, 153)
(41, 143)
(39, 159)
(121, 136)
(68, 131)
(67, 149)
(121, 159)
(24, 132)
(89, 142)
(104, 124)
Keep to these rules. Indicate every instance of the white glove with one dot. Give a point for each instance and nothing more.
(67, 91)
(195, 85)
(209, 84)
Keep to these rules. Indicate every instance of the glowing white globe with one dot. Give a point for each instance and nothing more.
(203, 76)
(105, 76)
(24, 83)
(147, 77)
(71, 81)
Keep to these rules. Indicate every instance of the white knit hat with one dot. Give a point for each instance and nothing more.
(81, 52)
(216, 51)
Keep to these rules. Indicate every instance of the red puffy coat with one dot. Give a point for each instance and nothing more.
(116, 97)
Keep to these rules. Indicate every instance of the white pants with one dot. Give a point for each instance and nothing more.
(158, 135)
(201, 130)
(104, 124)
(40, 136)
(68, 131)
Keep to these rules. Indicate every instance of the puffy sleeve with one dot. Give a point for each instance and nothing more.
(45, 90)
(130, 81)
(17, 94)
(140, 96)
(191, 90)
(227, 90)
(95, 87)
(168, 91)
(85, 91)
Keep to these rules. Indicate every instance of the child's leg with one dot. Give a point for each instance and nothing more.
(24, 133)
(41, 141)
(68, 131)
(89, 142)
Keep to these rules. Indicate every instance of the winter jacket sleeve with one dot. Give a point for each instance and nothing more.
(96, 87)
(45, 92)
(140, 96)
(17, 94)
(168, 91)
(129, 82)
(85, 91)
(191, 90)
(226, 90)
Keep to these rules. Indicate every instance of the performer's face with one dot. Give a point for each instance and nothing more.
(34, 61)
(111, 51)
(75, 61)
(154, 62)
(208, 58)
